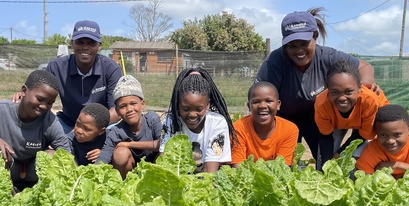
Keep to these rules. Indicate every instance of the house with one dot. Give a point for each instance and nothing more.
(152, 57)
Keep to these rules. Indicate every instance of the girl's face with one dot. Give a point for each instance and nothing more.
(301, 53)
(36, 101)
(343, 91)
(392, 136)
(263, 106)
(86, 129)
(130, 108)
(192, 110)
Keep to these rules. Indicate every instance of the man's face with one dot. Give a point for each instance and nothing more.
(85, 50)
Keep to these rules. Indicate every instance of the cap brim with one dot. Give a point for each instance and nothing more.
(79, 36)
(298, 36)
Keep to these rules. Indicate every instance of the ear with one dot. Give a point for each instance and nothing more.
(24, 89)
(278, 105)
(102, 131)
(248, 106)
(143, 104)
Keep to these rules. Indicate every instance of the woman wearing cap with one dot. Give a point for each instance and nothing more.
(298, 69)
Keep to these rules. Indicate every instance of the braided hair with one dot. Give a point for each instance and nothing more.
(99, 112)
(39, 77)
(198, 82)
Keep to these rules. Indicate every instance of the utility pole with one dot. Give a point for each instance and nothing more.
(403, 29)
(11, 34)
(45, 21)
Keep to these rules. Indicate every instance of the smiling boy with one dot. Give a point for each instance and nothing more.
(390, 148)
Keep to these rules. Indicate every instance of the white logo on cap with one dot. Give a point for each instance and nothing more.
(296, 26)
(86, 28)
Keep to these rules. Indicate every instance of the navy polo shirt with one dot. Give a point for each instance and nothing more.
(76, 91)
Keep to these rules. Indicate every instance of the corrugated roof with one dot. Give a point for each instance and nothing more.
(141, 45)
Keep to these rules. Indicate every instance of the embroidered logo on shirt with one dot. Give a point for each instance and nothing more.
(32, 145)
(217, 145)
(319, 90)
(96, 90)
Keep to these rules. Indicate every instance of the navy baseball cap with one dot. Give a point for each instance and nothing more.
(298, 26)
(88, 29)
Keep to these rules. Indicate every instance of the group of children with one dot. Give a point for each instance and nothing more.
(198, 110)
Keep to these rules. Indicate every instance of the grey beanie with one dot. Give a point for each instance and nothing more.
(127, 85)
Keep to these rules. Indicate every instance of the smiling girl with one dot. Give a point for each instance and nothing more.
(345, 104)
(198, 110)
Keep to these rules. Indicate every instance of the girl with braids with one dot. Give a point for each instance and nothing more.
(298, 70)
(198, 110)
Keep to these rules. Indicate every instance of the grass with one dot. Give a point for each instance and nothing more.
(157, 89)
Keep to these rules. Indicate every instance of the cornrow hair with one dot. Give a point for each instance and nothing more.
(260, 85)
(316, 13)
(39, 77)
(343, 66)
(200, 83)
(99, 112)
(392, 113)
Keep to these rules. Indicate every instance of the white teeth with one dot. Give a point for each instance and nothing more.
(84, 54)
(263, 113)
(301, 56)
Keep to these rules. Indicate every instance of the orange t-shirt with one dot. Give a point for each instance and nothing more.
(362, 116)
(374, 153)
(282, 141)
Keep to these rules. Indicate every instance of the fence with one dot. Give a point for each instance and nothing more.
(233, 72)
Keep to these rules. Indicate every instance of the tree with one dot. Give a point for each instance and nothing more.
(23, 41)
(56, 39)
(149, 24)
(222, 32)
(107, 41)
(4, 40)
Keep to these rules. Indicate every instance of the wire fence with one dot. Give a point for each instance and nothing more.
(233, 72)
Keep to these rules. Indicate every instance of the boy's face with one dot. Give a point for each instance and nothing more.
(263, 106)
(130, 108)
(392, 136)
(36, 101)
(85, 50)
(192, 110)
(343, 91)
(86, 129)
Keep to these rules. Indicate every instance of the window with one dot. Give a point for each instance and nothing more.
(165, 56)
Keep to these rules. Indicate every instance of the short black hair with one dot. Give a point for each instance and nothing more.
(343, 66)
(259, 85)
(99, 112)
(39, 77)
(391, 113)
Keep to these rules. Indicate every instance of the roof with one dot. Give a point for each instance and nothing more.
(134, 45)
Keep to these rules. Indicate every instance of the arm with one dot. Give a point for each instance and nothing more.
(211, 166)
(147, 145)
(366, 71)
(239, 151)
(6, 152)
(286, 149)
(322, 116)
(394, 165)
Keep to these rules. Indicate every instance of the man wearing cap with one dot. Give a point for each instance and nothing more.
(85, 77)
(298, 69)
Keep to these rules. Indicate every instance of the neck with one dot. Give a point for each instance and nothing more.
(264, 131)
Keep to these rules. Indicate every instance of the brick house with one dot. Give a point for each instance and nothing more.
(152, 57)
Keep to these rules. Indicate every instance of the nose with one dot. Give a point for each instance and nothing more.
(43, 106)
(390, 141)
(262, 104)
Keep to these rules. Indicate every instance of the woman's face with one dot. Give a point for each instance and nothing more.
(301, 53)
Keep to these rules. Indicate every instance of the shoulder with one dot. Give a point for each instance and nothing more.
(244, 121)
(285, 122)
(321, 97)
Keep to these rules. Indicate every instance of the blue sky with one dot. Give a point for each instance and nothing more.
(366, 27)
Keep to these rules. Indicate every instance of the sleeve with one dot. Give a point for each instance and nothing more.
(71, 137)
(321, 116)
(239, 151)
(155, 124)
(368, 117)
(289, 143)
(218, 145)
(108, 149)
(112, 79)
(167, 135)
(57, 138)
(370, 157)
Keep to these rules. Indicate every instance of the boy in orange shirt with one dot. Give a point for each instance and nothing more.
(390, 148)
(345, 104)
(262, 133)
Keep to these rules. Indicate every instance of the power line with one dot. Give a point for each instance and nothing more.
(69, 2)
(360, 14)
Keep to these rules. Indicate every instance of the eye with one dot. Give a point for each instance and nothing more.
(349, 92)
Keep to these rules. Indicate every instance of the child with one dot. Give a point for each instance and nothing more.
(89, 134)
(29, 127)
(390, 148)
(137, 135)
(345, 104)
(262, 133)
(198, 110)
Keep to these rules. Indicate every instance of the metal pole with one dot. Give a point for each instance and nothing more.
(45, 21)
(402, 36)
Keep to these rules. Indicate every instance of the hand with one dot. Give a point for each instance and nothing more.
(16, 98)
(385, 164)
(336, 155)
(6, 153)
(373, 86)
(122, 144)
(93, 155)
